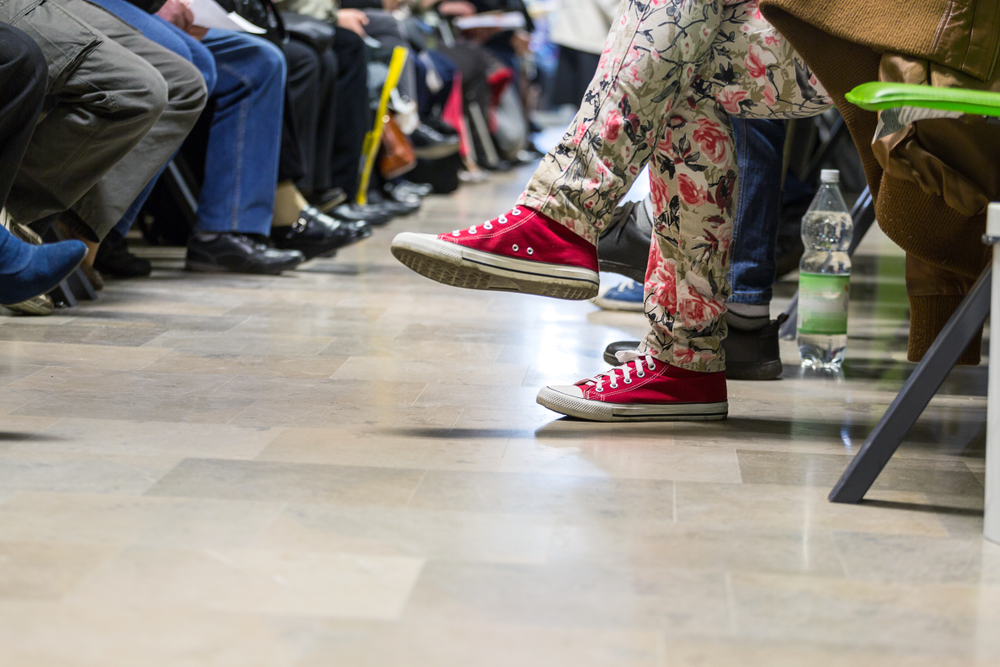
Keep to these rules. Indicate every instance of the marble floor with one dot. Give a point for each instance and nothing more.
(346, 466)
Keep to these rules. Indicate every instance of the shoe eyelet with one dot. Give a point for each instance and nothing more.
(516, 211)
(488, 226)
(531, 251)
(502, 219)
(599, 390)
(614, 386)
(628, 381)
(516, 248)
(652, 366)
(456, 233)
(641, 375)
(472, 231)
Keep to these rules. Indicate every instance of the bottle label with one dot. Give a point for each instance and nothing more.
(823, 300)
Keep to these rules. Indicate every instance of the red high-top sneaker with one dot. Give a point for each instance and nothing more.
(521, 251)
(643, 389)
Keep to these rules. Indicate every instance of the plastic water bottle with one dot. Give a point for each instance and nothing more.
(825, 276)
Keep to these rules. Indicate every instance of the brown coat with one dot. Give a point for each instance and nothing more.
(844, 42)
(960, 34)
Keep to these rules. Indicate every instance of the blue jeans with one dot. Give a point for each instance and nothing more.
(246, 79)
(760, 154)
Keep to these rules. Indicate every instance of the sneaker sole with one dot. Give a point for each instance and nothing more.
(625, 412)
(626, 306)
(451, 264)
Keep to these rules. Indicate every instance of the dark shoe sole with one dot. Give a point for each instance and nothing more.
(202, 267)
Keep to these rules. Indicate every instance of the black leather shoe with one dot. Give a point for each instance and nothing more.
(328, 199)
(623, 247)
(750, 355)
(239, 253)
(315, 234)
(114, 259)
(419, 189)
(394, 206)
(373, 215)
(430, 144)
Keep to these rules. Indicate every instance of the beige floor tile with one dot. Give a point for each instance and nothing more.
(679, 602)
(43, 634)
(121, 521)
(246, 364)
(399, 370)
(635, 460)
(432, 535)
(150, 439)
(289, 482)
(104, 357)
(557, 495)
(37, 571)
(280, 582)
(39, 468)
(459, 644)
(367, 446)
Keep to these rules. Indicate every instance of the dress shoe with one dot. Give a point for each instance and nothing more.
(394, 206)
(352, 212)
(28, 271)
(114, 259)
(328, 199)
(623, 247)
(430, 144)
(408, 187)
(317, 235)
(238, 253)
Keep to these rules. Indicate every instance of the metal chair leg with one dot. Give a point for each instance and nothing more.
(916, 393)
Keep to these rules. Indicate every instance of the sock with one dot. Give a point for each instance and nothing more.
(288, 203)
(747, 317)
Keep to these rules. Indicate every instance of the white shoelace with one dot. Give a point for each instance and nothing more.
(488, 225)
(629, 359)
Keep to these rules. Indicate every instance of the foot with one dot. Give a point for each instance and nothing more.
(352, 212)
(28, 271)
(629, 295)
(429, 144)
(750, 355)
(642, 389)
(624, 243)
(520, 251)
(328, 199)
(238, 253)
(392, 206)
(114, 259)
(39, 306)
(316, 235)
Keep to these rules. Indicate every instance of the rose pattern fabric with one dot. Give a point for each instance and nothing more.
(671, 75)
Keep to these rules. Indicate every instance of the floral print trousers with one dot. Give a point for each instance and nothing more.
(672, 74)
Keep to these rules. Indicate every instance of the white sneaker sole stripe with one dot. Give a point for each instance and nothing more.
(614, 412)
(452, 264)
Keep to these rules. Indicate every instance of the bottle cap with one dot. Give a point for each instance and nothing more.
(829, 176)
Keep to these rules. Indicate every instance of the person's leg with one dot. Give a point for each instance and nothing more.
(105, 204)
(353, 117)
(90, 133)
(759, 155)
(241, 169)
(384, 27)
(26, 271)
(303, 107)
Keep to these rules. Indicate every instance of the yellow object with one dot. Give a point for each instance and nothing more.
(374, 138)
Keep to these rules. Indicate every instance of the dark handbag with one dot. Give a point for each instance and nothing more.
(313, 32)
(263, 14)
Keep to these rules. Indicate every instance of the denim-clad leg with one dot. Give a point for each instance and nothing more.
(241, 164)
(170, 37)
(759, 154)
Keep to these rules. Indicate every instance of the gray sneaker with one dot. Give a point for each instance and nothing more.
(750, 355)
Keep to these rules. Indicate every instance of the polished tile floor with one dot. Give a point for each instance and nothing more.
(346, 466)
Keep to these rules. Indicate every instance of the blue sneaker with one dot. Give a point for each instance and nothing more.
(629, 295)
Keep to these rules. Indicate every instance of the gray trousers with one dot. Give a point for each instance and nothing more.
(117, 108)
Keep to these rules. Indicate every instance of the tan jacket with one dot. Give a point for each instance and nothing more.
(960, 34)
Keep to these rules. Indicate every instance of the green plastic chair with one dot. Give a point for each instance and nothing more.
(877, 96)
(926, 379)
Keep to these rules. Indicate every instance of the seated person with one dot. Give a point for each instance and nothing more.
(26, 271)
(119, 107)
(664, 100)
